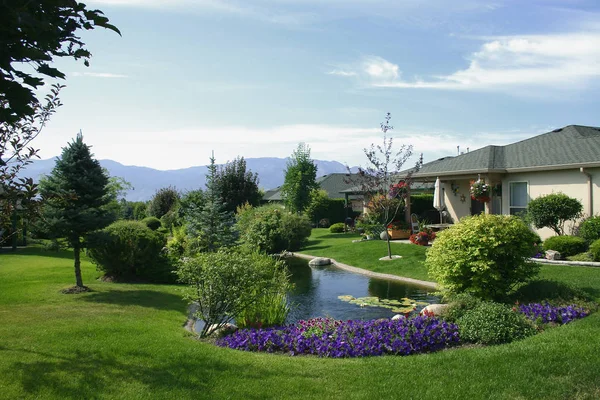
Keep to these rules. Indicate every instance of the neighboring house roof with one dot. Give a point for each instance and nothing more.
(568, 147)
(334, 184)
(414, 187)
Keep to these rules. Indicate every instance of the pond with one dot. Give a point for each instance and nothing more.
(316, 291)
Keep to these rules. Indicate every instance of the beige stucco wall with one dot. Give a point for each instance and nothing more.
(454, 205)
(570, 182)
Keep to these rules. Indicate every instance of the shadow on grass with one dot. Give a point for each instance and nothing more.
(545, 289)
(144, 298)
(39, 252)
(305, 248)
(93, 374)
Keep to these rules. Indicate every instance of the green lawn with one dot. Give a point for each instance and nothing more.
(126, 341)
(366, 254)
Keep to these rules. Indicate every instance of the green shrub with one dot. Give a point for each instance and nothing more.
(585, 256)
(177, 245)
(493, 323)
(419, 203)
(566, 245)
(485, 255)
(458, 305)
(337, 228)
(129, 250)
(271, 229)
(595, 250)
(229, 283)
(589, 229)
(553, 210)
(152, 222)
(322, 207)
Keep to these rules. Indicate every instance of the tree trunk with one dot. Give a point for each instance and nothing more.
(76, 251)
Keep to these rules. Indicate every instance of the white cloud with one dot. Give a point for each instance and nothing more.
(99, 75)
(505, 63)
(183, 148)
(341, 72)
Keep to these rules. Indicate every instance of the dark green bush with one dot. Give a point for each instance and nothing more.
(337, 228)
(589, 229)
(152, 222)
(595, 250)
(566, 245)
(272, 229)
(553, 210)
(586, 256)
(458, 305)
(493, 323)
(129, 250)
(419, 203)
(484, 255)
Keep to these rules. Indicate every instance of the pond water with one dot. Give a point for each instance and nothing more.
(316, 292)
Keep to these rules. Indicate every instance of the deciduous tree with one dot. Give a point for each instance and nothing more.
(300, 179)
(238, 185)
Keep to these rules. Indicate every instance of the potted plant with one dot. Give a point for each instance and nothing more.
(480, 191)
(423, 237)
(399, 230)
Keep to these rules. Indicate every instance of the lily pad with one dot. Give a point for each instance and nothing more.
(403, 306)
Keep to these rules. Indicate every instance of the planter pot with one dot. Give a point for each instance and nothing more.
(399, 233)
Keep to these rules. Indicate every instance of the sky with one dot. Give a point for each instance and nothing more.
(253, 78)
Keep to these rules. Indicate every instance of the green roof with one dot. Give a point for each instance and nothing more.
(571, 145)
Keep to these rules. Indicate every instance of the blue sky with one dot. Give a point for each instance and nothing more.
(255, 77)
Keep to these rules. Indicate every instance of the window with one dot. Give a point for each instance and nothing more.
(518, 197)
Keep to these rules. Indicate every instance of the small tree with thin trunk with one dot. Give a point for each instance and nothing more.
(74, 196)
(381, 179)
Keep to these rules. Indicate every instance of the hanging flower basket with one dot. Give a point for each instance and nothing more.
(480, 191)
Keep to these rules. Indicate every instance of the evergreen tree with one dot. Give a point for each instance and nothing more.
(237, 185)
(300, 179)
(75, 195)
(212, 224)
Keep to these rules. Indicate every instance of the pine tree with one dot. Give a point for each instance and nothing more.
(74, 196)
(212, 224)
(300, 179)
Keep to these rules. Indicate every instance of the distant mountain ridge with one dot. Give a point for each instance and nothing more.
(146, 181)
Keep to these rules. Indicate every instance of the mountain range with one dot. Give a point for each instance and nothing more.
(146, 181)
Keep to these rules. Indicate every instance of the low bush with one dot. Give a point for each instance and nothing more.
(337, 339)
(484, 255)
(271, 229)
(458, 305)
(553, 210)
(589, 229)
(229, 283)
(152, 223)
(566, 245)
(595, 250)
(337, 228)
(493, 323)
(129, 250)
(585, 256)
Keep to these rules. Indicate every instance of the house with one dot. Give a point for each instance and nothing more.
(565, 160)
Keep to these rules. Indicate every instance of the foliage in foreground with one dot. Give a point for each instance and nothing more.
(129, 250)
(485, 255)
(228, 283)
(493, 323)
(358, 338)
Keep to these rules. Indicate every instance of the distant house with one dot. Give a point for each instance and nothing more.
(334, 184)
(565, 160)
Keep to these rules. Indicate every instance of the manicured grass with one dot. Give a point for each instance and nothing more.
(366, 254)
(127, 342)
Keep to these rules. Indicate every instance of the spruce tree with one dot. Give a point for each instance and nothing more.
(300, 179)
(74, 196)
(212, 224)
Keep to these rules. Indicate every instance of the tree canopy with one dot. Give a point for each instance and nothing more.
(75, 195)
(300, 179)
(237, 185)
(32, 35)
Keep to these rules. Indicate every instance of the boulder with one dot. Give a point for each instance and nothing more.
(383, 235)
(223, 329)
(319, 261)
(436, 309)
(553, 255)
(398, 316)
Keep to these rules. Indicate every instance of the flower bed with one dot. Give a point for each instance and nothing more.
(546, 313)
(337, 339)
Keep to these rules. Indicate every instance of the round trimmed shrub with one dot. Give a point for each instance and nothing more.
(553, 210)
(493, 323)
(129, 250)
(566, 245)
(589, 229)
(595, 250)
(337, 228)
(152, 222)
(484, 255)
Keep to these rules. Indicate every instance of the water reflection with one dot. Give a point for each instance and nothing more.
(316, 293)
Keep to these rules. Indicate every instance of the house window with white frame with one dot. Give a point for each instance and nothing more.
(518, 197)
